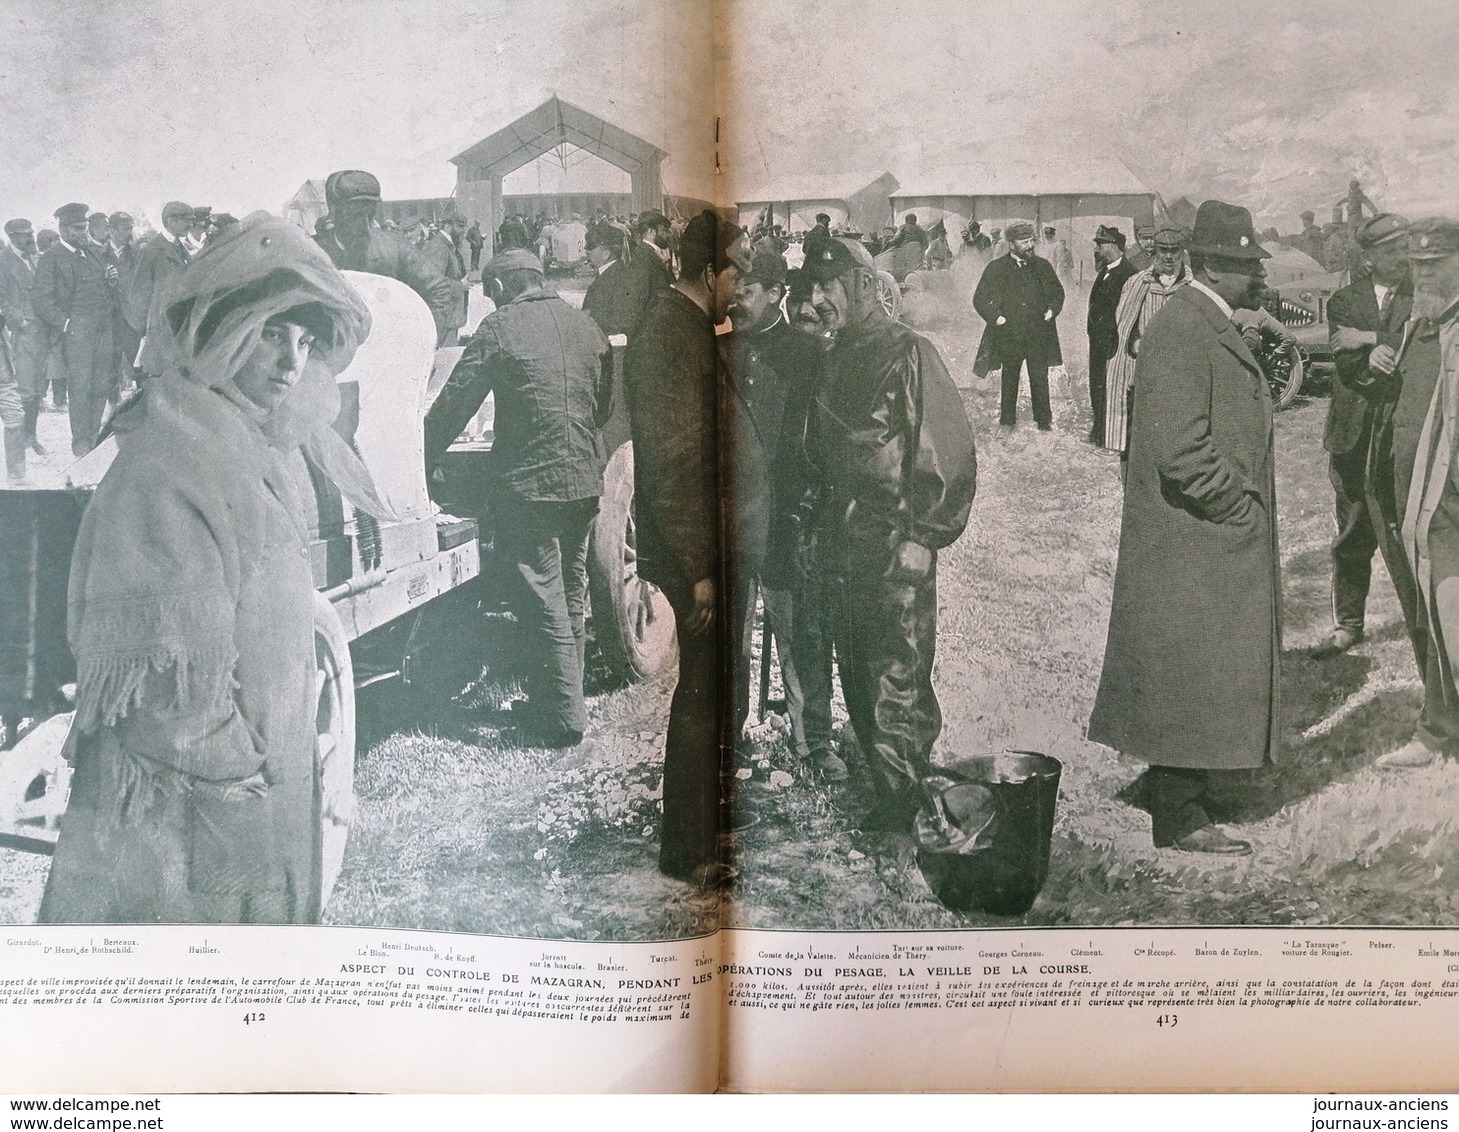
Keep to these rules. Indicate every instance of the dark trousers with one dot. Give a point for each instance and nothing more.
(1356, 539)
(1011, 358)
(691, 748)
(1176, 797)
(778, 615)
(1098, 387)
(814, 602)
(547, 544)
(88, 360)
(886, 639)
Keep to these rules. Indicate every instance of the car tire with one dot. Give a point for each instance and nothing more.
(889, 293)
(633, 626)
(334, 719)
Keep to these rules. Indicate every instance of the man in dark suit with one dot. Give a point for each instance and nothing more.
(72, 297)
(1019, 297)
(28, 338)
(1366, 319)
(619, 294)
(161, 260)
(1192, 663)
(671, 375)
(1104, 301)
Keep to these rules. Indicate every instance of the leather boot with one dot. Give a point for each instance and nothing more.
(15, 454)
(32, 417)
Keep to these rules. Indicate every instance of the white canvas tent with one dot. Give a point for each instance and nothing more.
(856, 201)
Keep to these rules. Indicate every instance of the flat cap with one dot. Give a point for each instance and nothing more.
(650, 219)
(1433, 238)
(120, 218)
(1170, 237)
(513, 259)
(1382, 229)
(764, 265)
(71, 214)
(1019, 230)
(17, 227)
(1106, 234)
(97, 216)
(1144, 230)
(352, 184)
(830, 259)
(175, 208)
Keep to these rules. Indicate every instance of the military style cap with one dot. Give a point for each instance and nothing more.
(71, 214)
(765, 266)
(514, 259)
(1170, 238)
(175, 208)
(830, 259)
(122, 218)
(352, 184)
(1105, 234)
(1225, 230)
(1433, 238)
(17, 227)
(1019, 230)
(1381, 229)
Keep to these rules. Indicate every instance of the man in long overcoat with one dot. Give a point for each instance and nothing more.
(1191, 668)
(1104, 335)
(1019, 296)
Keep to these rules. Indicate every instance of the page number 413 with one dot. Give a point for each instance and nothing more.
(1162, 1021)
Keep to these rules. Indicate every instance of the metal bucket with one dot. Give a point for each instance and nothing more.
(984, 829)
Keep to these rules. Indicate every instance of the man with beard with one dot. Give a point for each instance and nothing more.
(353, 243)
(1424, 489)
(160, 261)
(768, 368)
(897, 472)
(1191, 668)
(28, 342)
(671, 375)
(74, 297)
(1142, 296)
(1019, 297)
(1366, 319)
(1104, 298)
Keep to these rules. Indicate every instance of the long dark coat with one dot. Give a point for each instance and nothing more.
(1191, 668)
(1021, 295)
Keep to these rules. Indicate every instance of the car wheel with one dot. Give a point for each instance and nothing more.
(334, 745)
(888, 293)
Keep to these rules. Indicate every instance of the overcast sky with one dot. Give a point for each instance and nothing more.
(128, 103)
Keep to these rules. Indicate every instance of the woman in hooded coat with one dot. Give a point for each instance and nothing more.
(191, 606)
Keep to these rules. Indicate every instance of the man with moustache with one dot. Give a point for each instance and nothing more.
(897, 471)
(1366, 319)
(75, 298)
(1019, 298)
(1104, 338)
(121, 253)
(159, 262)
(1191, 669)
(671, 376)
(26, 337)
(353, 243)
(1427, 497)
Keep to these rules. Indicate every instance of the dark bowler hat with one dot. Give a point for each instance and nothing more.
(175, 208)
(833, 258)
(352, 184)
(765, 266)
(17, 227)
(1105, 234)
(1225, 230)
(71, 214)
(513, 259)
(1382, 229)
(1433, 238)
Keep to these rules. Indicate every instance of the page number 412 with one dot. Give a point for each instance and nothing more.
(1162, 1020)
(249, 1019)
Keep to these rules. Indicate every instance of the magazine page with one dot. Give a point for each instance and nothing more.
(1172, 808)
(333, 681)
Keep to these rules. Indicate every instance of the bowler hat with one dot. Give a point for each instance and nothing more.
(71, 214)
(1381, 229)
(830, 259)
(1105, 234)
(513, 259)
(1019, 230)
(1433, 238)
(351, 184)
(17, 227)
(1225, 230)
